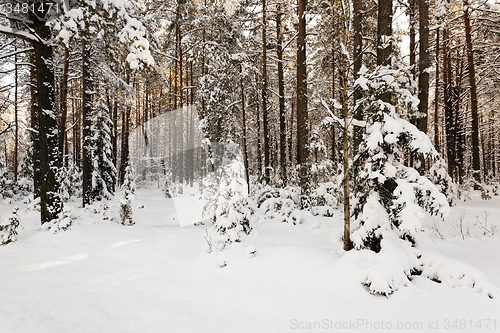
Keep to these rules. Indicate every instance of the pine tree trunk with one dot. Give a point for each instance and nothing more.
(64, 102)
(281, 92)
(244, 125)
(86, 112)
(384, 31)
(16, 120)
(448, 104)
(436, 95)
(476, 167)
(423, 66)
(302, 114)
(413, 21)
(259, 144)
(180, 132)
(384, 45)
(50, 202)
(345, 139)
(358, 61)
(114, 137)
(267, 165)
(35, 128)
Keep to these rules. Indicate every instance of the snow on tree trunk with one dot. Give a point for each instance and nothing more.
(127, 196)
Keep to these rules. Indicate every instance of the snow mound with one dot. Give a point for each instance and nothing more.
(454, 273)
(390, 269)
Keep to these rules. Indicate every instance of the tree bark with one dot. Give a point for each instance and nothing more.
(423, 66)
(16, 120)
(358, 61)
(448, 103)
(384, 39)
(64, 102)
(476, 167)
(35, 128)
(265, 125)
(50, 202)
(384, 33)
(281, 92)
(244, 125)
(86, 113)
(436, 95)
(302, 114)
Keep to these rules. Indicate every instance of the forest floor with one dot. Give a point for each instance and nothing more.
(156, 276)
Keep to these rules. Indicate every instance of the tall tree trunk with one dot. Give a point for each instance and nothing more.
(384, 39)
(50, 201)
(281, 92)
(332, 104)
(476, 167)
(423, 65)
(412, 12)
(345, 137)
(448, 103)
(384, 33)
(267, 165)
(35, 128)
(180, 132)
(244, 125)
(358, 61)
(16, 120)
(302, 114)
(114, 138)
(259, 144)
(86, 113)
(64, 102)
(436, 95)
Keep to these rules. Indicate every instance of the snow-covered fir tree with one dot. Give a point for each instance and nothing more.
(3, 175)
(390, 196)
(64, 183)
(127, 196)
(103, 169)
(8, 229)
(232, 210)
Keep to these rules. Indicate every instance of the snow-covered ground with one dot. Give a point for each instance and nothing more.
(155, 276)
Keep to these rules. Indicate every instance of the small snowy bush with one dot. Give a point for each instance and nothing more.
(276, 203)
(232, 211)
(8, 230)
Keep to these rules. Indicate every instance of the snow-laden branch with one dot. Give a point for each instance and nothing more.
(13, 53)
(94, 17)
(18, 33)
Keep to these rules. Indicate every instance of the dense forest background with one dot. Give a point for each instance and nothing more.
(282, 79)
